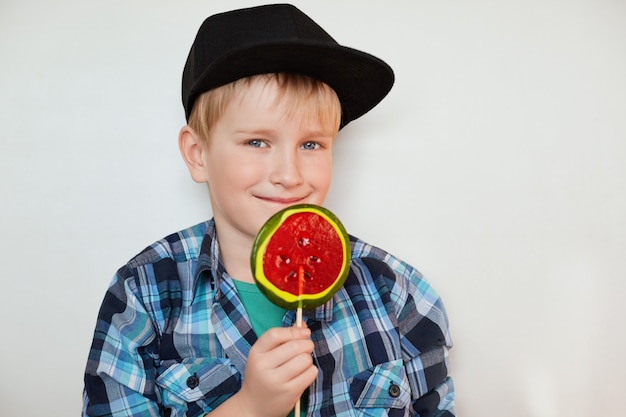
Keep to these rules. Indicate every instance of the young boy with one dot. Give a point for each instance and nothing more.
(183, 330)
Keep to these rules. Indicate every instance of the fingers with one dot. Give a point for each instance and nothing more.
(278, 336)
(305, 372)
(284, 351)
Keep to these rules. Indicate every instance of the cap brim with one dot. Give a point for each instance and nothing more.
(360, 80)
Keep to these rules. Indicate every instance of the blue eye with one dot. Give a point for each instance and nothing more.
(256, 143)
(310, 145)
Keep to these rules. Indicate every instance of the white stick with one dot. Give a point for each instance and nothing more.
(299, 317)
(296, 411)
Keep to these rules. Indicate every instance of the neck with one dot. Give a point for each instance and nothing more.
(235, 251)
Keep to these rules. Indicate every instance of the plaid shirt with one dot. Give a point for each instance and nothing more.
(172, 338)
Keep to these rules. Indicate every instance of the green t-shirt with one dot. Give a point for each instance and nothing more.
(263, 316)
(262, 312)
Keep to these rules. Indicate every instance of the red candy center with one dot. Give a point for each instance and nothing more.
(304, 255)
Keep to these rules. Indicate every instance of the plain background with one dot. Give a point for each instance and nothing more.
(496, 166)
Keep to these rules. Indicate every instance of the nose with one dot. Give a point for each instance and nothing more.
(286, 170)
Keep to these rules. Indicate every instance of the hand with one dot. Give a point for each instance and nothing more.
(279, 369)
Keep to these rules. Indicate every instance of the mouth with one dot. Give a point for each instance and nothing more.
(283, 200)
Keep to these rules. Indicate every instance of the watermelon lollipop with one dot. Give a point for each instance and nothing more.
(301, 257)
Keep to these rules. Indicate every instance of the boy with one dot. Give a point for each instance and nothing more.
(183, 330)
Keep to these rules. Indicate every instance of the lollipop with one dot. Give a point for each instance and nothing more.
(300, 258)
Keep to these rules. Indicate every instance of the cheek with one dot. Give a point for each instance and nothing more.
(236, 173)
(321, 185)
(320, 174)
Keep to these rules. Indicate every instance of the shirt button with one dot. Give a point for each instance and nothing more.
(193, 381)
(394, 390)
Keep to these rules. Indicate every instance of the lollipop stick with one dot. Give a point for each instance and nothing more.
(300, 285)
(299, 317)
(296, 412)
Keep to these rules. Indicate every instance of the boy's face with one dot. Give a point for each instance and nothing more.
(262, 156)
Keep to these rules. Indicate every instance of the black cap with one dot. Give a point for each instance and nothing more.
(280, 38)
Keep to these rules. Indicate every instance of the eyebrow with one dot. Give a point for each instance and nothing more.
(270, 132)
(254, 131)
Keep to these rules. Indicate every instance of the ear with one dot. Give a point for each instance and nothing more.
(192, 149)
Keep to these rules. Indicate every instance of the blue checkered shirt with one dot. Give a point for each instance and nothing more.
(172, 338)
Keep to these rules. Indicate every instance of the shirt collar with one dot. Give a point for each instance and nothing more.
(209, 260)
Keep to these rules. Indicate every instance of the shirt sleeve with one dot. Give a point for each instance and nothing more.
(425, 339)
(120, 372)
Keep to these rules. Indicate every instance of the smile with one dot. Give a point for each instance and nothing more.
(281, 200)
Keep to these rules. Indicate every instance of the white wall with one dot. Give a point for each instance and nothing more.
(497, 166)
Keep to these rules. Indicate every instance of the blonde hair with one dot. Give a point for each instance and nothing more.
(298, 91)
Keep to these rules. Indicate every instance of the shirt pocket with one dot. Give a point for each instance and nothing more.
(383, 386)
(205, 381)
